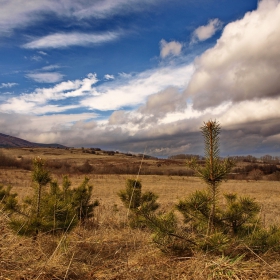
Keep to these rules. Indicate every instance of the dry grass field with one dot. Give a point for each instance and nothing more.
(106, 248)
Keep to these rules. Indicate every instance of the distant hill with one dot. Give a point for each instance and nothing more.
(7, 141)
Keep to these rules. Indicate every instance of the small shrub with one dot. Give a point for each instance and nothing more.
(51, 208)
(41, 177)
(274, 176)
(138, 204)
(6, 161)
(239, 216)
(215, 243)
(263, 240)
(81, 200)
(131, 196)
(255, 174)
(85, 168)
(196, 210)
(8, 200)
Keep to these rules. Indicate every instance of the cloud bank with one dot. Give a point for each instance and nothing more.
(245, 62)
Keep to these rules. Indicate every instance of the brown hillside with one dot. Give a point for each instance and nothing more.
(7, 141)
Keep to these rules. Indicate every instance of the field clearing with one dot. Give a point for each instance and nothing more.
(169, 188)
(107, 248)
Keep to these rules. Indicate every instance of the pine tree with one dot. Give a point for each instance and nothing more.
(239, 214)
(81, 200)
(42, 177)
(139, 204)
(53, 209)
(8, 200)
(215, 169)
(209, 224)
(131, 196)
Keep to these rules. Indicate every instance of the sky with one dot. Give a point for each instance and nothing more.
(142, 76)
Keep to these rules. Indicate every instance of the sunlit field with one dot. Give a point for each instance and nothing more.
(106, 248)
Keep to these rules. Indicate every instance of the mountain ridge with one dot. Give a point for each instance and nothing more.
(8, 141)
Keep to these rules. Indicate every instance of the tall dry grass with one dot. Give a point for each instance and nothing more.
(106, 248)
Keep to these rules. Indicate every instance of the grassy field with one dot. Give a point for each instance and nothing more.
(106, 248)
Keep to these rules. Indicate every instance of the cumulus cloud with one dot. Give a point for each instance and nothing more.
(245, 62)
(64, 40)
(171, 48)
(250, 111)
(205, 32)
(118, 118)
(46, 77)
(166, 101)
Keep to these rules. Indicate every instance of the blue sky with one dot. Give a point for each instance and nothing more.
(139, 76)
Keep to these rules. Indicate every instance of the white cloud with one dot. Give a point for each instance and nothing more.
(134, 91)
(108, 8)
(22, 106)
(252, 111)
(63, 90)
(8, 85)
(42, 129)
(190, 114)
(245, 62)
(205, 32)
(125, 75)
(36, 58)
(49, 77)
(64, 40)
(42, 53)
(37, 101)
(50, 67)
(15, 15)
(109, 77)
(171, 48)
(49, 109)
